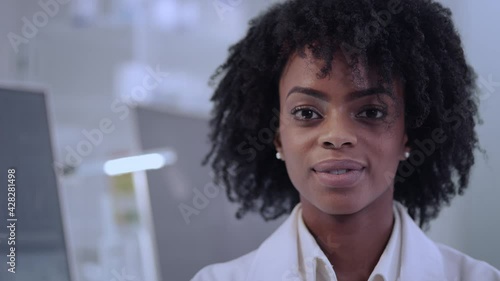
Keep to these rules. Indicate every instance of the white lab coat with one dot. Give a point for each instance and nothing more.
(276, 259)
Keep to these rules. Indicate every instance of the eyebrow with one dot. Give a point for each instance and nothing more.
(351, 96)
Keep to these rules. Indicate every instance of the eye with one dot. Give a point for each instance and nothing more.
(372, 113)
(304, 113)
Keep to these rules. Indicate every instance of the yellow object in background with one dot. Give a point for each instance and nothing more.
(124, 201)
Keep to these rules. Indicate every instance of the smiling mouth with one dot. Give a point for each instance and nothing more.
(339, 178)
(339, 172)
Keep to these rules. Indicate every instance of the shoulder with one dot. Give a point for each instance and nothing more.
(276, 254)
(424, 259)
(234, 270)
(461, 267)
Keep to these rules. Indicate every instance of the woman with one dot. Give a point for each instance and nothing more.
(377, 108)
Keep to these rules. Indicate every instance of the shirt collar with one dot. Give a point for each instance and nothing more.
(390, 260)
(314, 265)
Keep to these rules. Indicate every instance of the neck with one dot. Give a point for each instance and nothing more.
(352, 243)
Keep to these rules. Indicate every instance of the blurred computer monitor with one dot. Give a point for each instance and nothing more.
(25, 148)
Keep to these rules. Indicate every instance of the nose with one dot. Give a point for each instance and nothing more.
(337, 131)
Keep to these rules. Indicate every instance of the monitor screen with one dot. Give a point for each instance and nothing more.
(32, 239)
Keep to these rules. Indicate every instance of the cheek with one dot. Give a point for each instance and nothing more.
(295, 149)
(296, 139)
(385, 153)
(297, 146)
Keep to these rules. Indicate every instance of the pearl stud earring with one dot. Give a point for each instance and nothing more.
(278, 155)
(407, 154)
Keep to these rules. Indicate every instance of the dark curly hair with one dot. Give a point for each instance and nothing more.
(414, 40)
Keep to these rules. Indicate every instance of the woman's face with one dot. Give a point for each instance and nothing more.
(339, 118)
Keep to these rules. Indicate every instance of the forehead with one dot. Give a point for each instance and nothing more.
(306, 70)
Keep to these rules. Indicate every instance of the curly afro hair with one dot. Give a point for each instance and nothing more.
(414, 40)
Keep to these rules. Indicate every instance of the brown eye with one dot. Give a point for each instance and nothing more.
(372, 113)
(305, 114)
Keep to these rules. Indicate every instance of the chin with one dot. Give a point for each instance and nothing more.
(344, 210)
(340, 205)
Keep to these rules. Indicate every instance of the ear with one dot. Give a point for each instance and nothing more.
(277, 141)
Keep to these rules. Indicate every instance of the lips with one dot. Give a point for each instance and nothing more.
(338, 173)
(329, 166)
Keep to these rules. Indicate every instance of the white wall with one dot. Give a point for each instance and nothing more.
(8, 18)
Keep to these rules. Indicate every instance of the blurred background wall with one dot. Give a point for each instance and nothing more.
(93, 58)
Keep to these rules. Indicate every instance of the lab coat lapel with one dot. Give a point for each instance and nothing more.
(277, 257)
(420, 257)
